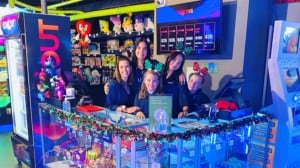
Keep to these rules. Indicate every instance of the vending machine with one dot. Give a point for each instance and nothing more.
(284, 68)
(38, 49)
(5, 112)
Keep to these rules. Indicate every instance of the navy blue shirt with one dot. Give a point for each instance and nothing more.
(193, 101)
(118, 96)
(171, 86)
(138, 78)
(143, 103)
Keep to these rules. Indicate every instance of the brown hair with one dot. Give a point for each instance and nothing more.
(117, 75)
(134, 57)
(143, 90)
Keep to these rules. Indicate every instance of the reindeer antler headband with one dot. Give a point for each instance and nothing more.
(197, 69)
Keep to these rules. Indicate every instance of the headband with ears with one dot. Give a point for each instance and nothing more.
(156, 66)
(197, 69)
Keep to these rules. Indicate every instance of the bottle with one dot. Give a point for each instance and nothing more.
(162, 123)
(66, 105)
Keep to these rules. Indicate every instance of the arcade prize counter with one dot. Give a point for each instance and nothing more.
(110, 139)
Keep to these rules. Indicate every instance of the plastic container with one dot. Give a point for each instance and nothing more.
(66, 105)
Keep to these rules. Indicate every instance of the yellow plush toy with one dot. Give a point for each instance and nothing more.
(127, 24)
(104, 26)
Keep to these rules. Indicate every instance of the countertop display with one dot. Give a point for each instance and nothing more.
(111, 139)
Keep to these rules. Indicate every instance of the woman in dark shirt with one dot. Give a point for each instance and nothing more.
(120, 97)
(170, 77)
(140, 54)
(191, 96)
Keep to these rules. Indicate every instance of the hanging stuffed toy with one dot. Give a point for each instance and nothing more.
(83, 29)
(138, 24)
(117, 24)
(127, 24)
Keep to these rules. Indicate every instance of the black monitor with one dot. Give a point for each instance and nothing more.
(231, 91)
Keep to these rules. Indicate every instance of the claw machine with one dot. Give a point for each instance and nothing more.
(284, 73)
(38, 49)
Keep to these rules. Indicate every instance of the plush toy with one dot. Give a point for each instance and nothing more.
(127, 24)
(226, 105)
(83, 29)
(149, 25)
(139, 25)
(128, 44)
(95, 77)
(117, 24)
(59, 87)
(104, 26)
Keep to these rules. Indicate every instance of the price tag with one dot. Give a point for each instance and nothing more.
(218, 146)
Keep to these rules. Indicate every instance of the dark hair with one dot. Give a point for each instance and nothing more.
(169, 58)
(117, 75)
(134, 58)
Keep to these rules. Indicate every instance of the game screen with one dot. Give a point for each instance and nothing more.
(189, 27)
(291, 79)
(290, 40)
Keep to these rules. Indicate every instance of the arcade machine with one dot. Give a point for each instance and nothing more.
(38, 55)
(284, 66)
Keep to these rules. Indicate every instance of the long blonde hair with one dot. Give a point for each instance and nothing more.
(143, 90)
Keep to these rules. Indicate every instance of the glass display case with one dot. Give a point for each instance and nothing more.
(111, 139)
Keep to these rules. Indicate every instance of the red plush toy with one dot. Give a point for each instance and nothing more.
(83, 29)
(226, 105)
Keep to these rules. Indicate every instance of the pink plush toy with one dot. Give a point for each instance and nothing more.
(117, 24)
(139, 25)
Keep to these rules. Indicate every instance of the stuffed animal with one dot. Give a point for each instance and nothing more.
(139, 25)
(149, 25)
(104, 26)
(117, 24)
(83, 29)
(226, 105)
(127, 24)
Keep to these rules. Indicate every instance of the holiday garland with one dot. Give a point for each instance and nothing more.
(88, 122)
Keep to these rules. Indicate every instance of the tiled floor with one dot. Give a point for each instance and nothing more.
(7, 158)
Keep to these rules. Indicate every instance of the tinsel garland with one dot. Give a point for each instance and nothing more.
(87, 122)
